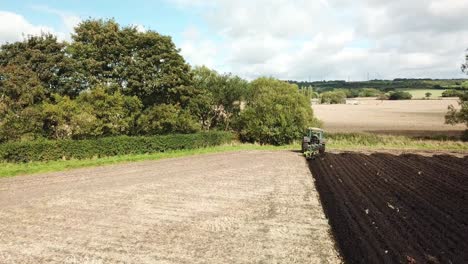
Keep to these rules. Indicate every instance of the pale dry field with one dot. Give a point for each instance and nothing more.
(241, 207)
(408, 117)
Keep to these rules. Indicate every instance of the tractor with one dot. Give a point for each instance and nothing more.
(313, 143)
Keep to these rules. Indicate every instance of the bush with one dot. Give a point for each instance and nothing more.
(400, 95)
(276, 113)
(369, 92)
(47, 150)
(452, 93)
(382, 96)
(165, 119)
(338, 97)
(350, 93)
(464, 136)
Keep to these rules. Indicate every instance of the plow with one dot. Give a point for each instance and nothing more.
(313, 143)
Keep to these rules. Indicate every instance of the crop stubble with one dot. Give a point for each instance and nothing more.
(239, 207)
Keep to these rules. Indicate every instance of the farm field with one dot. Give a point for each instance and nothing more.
(238, 207)
(408, 117)
(396, 209)
(421, 93)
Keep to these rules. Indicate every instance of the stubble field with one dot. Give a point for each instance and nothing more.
(409, 117)
(239, 207)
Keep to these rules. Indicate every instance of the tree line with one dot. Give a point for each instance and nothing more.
(113, 80)
(385, 85)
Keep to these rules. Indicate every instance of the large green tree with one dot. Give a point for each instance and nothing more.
(21, 95)
(45, 56)
(144, 64)
(276, 113)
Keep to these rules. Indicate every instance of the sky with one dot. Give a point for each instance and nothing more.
(287, 39)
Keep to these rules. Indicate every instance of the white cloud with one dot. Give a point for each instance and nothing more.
(69, 20)
(198, 51)
(14, 27)
(333, 39)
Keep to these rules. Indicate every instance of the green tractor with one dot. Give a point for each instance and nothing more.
(313, 143)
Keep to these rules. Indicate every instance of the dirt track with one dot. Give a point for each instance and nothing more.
(396, 209)
(242, 207)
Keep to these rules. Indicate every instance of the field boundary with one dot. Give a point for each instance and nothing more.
(18, 169)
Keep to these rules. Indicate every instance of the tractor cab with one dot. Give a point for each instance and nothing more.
(314, 133)
(313, 142)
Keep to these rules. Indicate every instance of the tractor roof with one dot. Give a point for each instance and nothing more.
(315, 129)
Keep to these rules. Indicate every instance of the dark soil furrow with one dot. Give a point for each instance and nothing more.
(412, 200)
(395, 209)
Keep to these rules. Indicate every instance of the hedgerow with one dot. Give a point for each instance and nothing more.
(47, 150)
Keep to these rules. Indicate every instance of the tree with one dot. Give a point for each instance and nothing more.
(275, 113)
(452, 93)
(20, 87)
(219, 101)
(45, 56)
(115, 113)
(369, 92)
(464, 66)
(94, 113)
(143, 64)
(338, 97)
(21, 94)
(428, 94)
(459, 116)
(400, 95)
(165, 119)
(66, 118)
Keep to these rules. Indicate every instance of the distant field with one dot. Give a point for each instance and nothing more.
(411, 117)
(421, 93)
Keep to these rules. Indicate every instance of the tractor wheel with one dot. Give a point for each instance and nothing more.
(305, 146)
(322, 150)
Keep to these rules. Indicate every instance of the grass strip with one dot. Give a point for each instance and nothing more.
(353, 141)
(13, 169)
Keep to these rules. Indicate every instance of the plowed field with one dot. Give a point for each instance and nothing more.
(396, 209)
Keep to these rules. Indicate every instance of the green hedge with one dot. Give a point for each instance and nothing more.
(45, 150)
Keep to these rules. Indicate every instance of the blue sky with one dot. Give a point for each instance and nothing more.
(288, 39)
(161, 16)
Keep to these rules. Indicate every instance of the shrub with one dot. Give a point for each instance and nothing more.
(276, 113)
(382, 96)
(400, 95)
(46, 150)
(338, 97)
(165, 119)
(452, 93)
(350, 93)
(369, 92)
(464, 136)
(458, 116)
